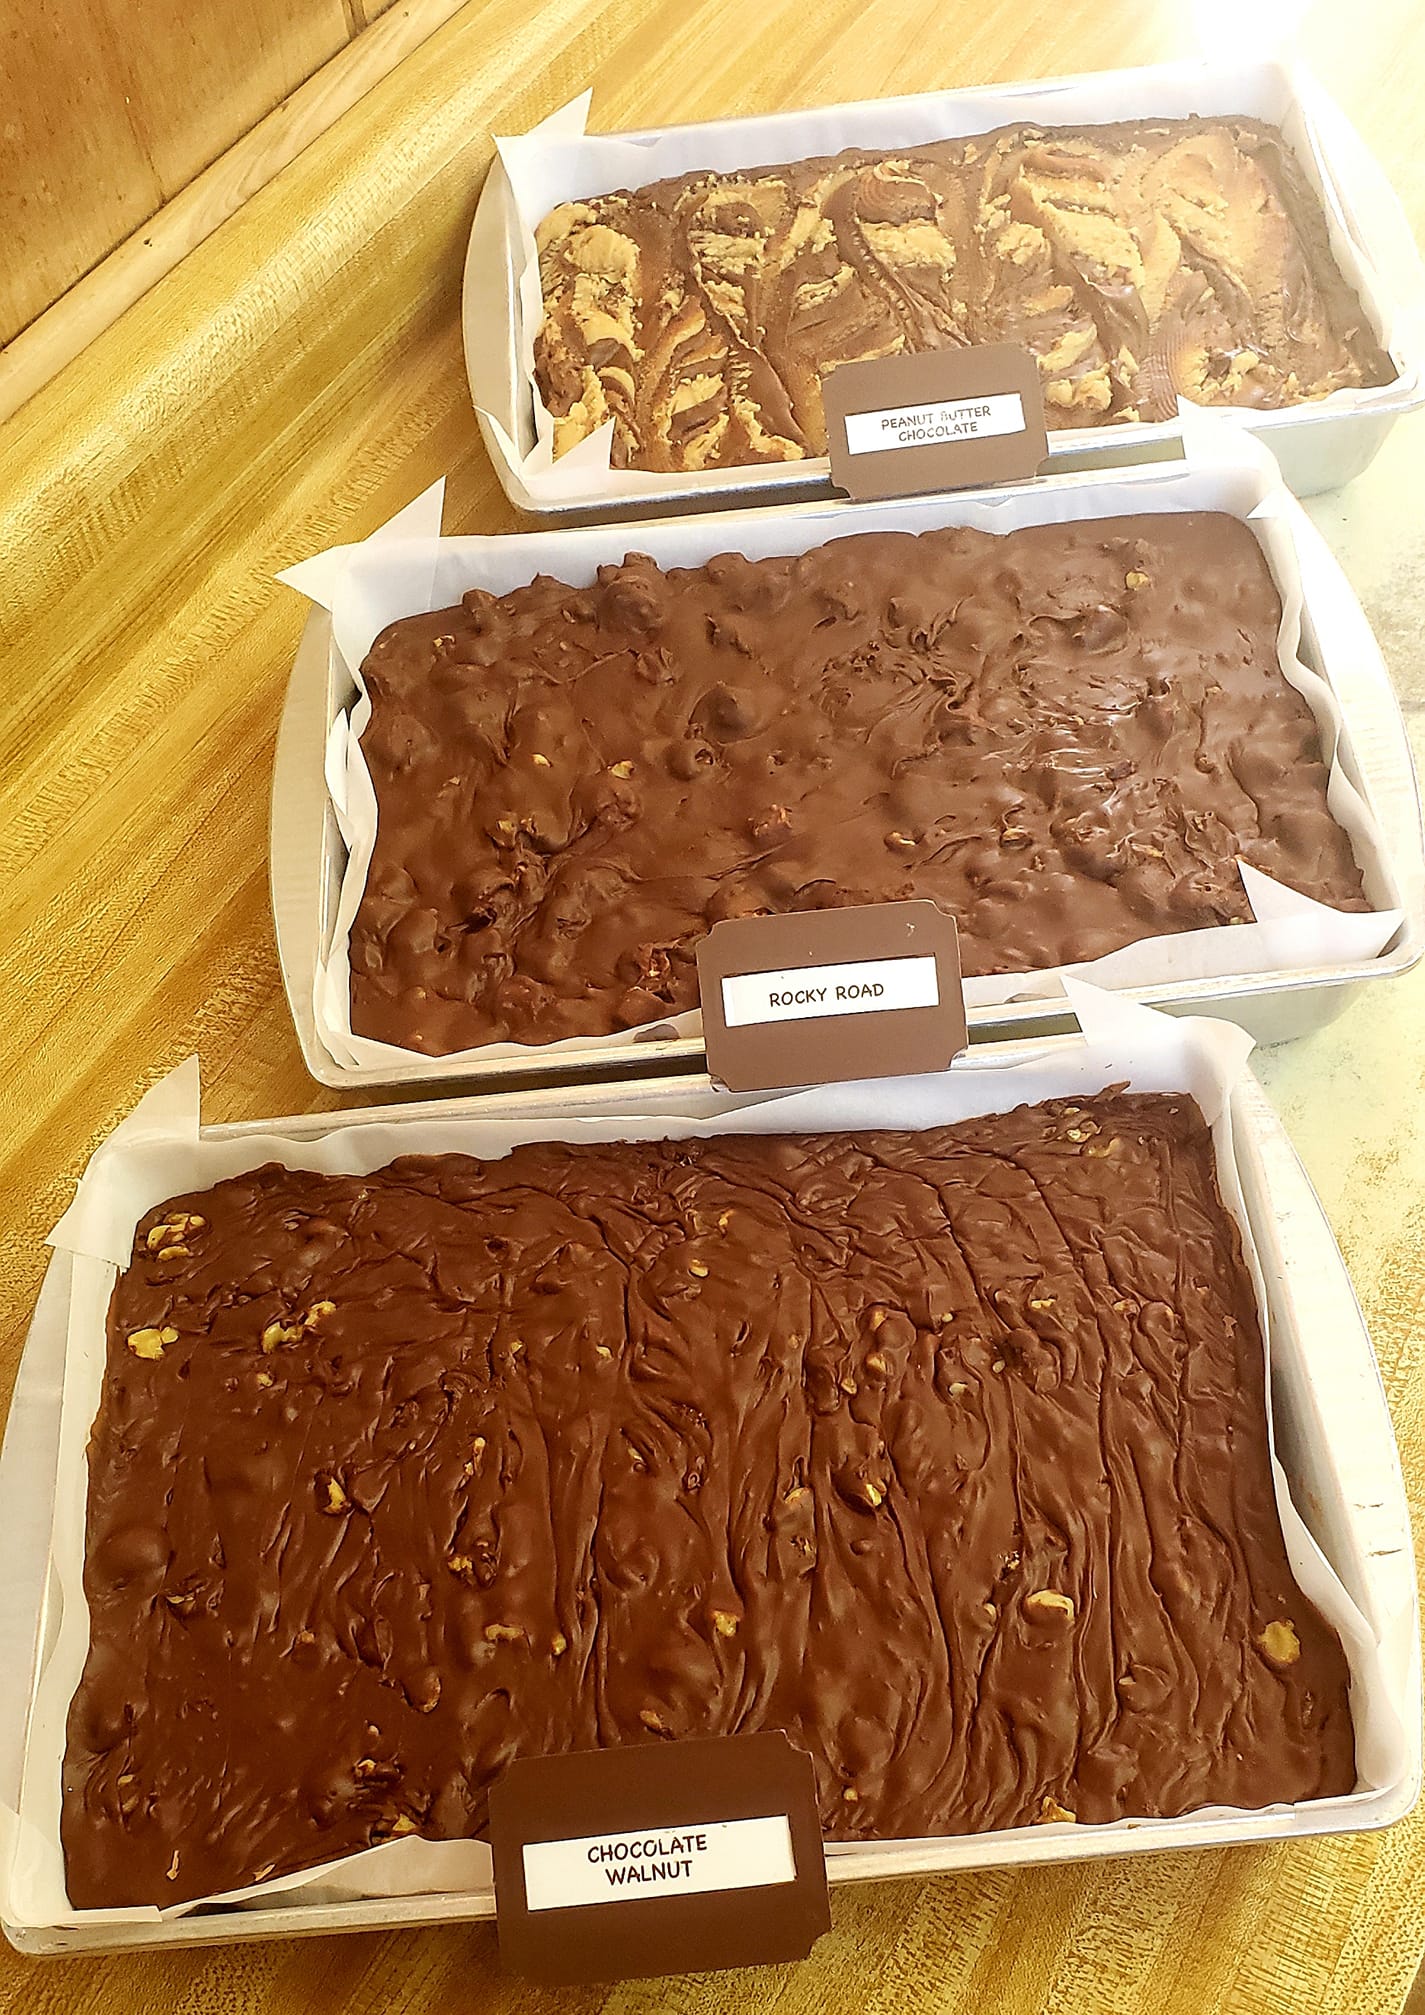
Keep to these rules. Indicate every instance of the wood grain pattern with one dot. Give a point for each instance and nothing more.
(199, 75)
(291, 384)
(73, 178)
(42, 349)
(111, 109)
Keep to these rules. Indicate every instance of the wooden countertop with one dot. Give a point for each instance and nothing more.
(290, 385)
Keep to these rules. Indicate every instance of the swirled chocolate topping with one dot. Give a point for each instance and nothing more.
(1138, 262)
(946, 1452)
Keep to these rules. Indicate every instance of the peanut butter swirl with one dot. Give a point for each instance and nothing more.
(1136, 261)
(946, 1452)
(1064, 736)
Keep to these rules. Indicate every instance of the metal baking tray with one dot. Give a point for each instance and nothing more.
(1319, 446)
(308, 856)
(1332, 1425)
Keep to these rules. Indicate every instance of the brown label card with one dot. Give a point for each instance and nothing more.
(872, 990)
(935, 420)
(663, 1857)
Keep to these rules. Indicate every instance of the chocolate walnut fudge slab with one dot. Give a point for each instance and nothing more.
(1065, 736)
(946, 1452)
(1138, 262)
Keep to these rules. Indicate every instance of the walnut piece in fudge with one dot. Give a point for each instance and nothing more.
(1137, 261)
(946, 1452)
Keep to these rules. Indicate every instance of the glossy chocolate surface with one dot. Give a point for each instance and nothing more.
(945, 1452)
(1063, 735)
(1138, 262)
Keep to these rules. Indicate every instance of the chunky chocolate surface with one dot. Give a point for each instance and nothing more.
(946, 1452)
(1063, 735)
(1137, 262)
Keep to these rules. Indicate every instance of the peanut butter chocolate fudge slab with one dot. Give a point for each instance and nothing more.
(946, 1452)
(1138, 262)
(1064, 735)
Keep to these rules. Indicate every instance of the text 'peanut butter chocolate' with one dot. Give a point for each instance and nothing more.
(945, 1452)
(1137, 262)
(1063, 736)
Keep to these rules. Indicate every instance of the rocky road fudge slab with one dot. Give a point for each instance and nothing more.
(1137, 261)
(945, 1452)
(1064, 736)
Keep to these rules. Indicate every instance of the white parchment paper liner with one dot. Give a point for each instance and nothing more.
(406, 568)
(158, 1153)
(557, 162)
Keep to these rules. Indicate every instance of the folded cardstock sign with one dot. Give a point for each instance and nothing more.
(871, 990)
(935, 420)
(663, 1857)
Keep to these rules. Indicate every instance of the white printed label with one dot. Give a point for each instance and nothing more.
(869, 986)
(674, 1861)
(927, 426)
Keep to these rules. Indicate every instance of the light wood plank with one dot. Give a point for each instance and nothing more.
(39, 352)
(199, 75)
(111, 108)
(74, 179)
